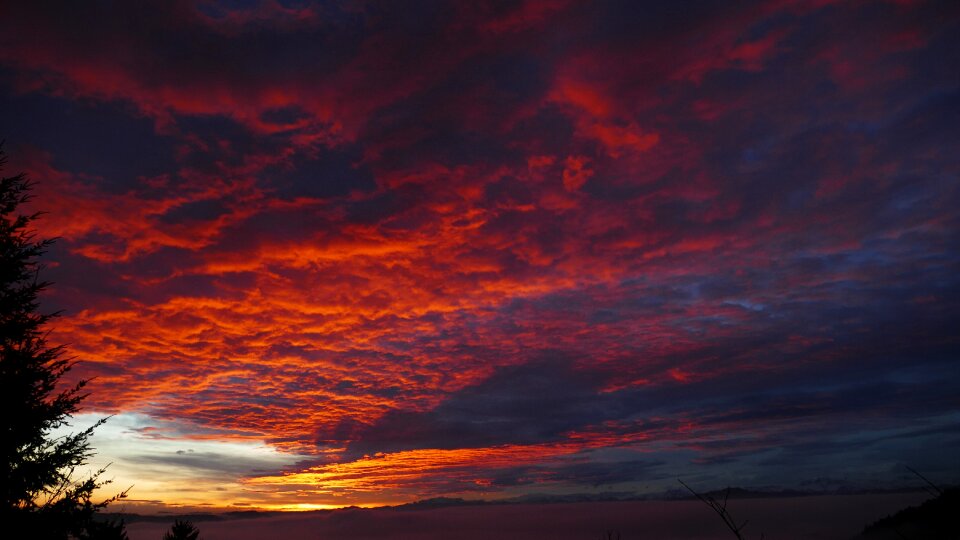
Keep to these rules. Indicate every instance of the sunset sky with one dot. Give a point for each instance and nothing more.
(337, 253)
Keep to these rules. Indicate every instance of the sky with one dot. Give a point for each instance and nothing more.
(363, 253)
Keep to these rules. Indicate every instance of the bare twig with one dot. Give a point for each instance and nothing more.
(720, 509)
(936, 489)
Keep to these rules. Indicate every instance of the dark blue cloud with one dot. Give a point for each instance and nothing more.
(107, 140)
(328, 173)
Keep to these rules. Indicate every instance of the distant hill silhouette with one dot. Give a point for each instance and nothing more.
(439, 502)
(746, 493)
(193, 517)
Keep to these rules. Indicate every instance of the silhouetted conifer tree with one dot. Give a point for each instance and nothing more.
(40, 496)
(182, 530)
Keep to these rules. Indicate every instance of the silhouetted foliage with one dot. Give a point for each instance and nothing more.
(934, 519)
(182, 530)
(39, 493)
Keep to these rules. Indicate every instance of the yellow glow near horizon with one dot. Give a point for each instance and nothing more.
(167, 465)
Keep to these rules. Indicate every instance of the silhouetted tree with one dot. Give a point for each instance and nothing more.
(40, 495)
(182, 530)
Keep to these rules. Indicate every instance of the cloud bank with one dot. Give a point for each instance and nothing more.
(509, 247)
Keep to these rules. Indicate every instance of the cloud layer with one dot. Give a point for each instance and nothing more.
(506, 247)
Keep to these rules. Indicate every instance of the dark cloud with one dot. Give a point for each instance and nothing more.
(327, 173)
(594, 474)
(106, 140)
(524, 404)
